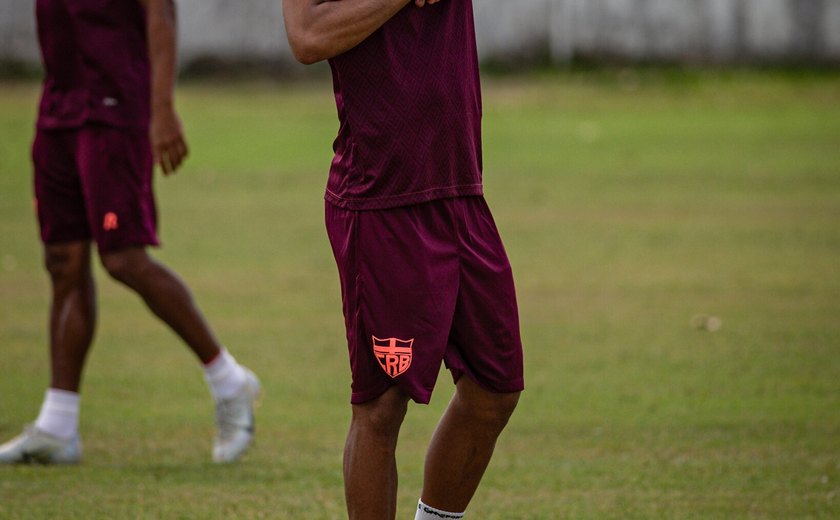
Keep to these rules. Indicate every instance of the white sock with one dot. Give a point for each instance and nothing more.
(425, 512)
(224, 376)
(59, 414)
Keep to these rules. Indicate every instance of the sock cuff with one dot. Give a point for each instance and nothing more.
(219, 367)
(428, 511)
(224, 376)
(59, 415)
(62, 400)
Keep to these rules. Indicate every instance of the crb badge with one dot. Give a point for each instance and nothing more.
(393, 354)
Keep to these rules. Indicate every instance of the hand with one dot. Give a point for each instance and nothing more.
(169, 147)
(421, 3)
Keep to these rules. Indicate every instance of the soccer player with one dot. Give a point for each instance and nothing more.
(106, 117)
(423, 273)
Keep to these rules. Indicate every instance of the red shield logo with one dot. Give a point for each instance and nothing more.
(393, 354)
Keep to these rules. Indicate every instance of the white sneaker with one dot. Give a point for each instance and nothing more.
(36, 446)
(235, 421)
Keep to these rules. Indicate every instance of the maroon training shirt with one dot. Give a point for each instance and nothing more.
(96, 63)
(409, 103)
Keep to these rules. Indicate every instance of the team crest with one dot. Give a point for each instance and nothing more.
(110, 222)
(393, 355)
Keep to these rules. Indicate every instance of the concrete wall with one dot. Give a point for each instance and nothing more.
(17, 30)
(673, 30)
(694, 30)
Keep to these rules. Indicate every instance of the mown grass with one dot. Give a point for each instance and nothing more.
(629, 203)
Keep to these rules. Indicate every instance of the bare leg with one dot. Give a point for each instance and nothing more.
(166, 296)
(72, 314)
(463, 444)
(370, 464)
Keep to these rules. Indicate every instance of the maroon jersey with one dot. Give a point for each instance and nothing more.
(409, 104)
(96, 63)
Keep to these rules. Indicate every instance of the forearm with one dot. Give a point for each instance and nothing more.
(169, 146)
(161, 32)
(321, 29)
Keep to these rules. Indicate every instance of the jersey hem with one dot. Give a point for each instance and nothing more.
(75, 125)
(407, 199)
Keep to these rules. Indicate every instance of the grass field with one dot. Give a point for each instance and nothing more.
(629, 202)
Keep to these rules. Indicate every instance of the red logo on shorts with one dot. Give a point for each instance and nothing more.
(394, 355)
(110, 222)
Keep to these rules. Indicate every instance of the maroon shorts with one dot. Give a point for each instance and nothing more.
(95, 183)
(423, 284)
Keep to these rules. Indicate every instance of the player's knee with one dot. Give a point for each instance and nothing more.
(496, 412)
(383, 416)
(65, 264)
(117, 265)
(505, 405)
(124, 266)
(491, 409)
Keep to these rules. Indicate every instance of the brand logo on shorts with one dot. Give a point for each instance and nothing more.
(110, 222)
(393, 354)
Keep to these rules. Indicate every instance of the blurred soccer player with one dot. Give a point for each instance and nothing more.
(106, 117)
(424, 276)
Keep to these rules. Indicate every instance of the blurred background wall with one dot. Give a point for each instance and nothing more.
(715, 31)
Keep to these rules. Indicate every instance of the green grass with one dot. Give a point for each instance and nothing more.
(628, 202)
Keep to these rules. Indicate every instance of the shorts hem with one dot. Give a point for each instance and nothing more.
(504, 387)
(368, 395)
(113, 248)
(55, 241)
(371, 395)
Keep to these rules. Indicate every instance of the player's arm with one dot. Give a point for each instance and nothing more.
(166, 132)
(320, 29)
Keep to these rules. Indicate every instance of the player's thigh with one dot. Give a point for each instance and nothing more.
(59, 197)
(399, 285)
(485, 341)
(116, 170)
